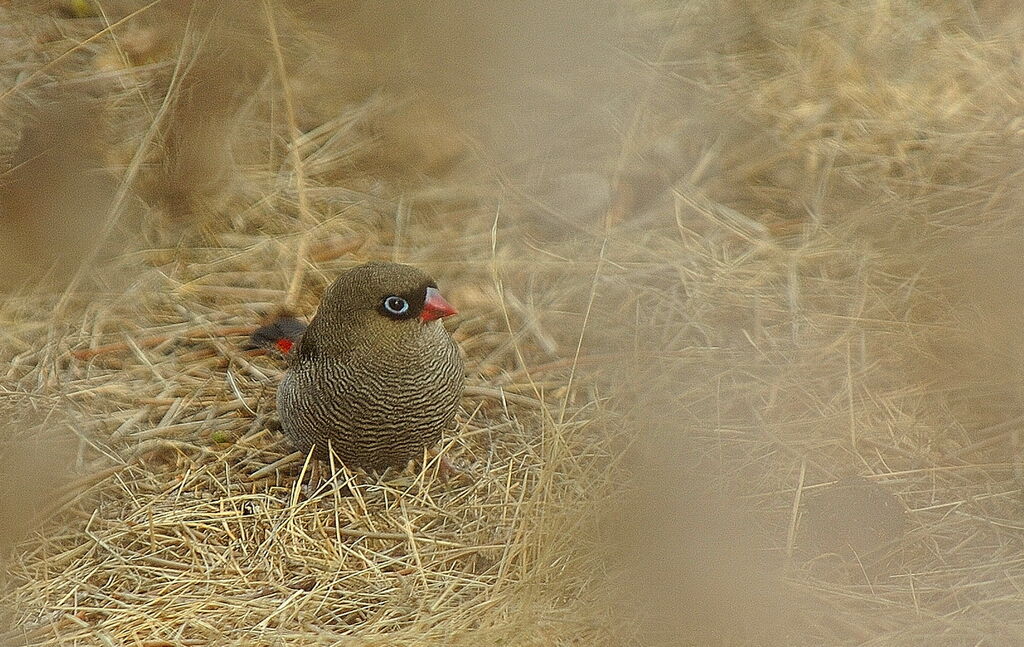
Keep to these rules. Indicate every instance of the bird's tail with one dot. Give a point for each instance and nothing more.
(281, 333)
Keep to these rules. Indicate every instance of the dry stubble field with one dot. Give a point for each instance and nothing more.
(739, 298)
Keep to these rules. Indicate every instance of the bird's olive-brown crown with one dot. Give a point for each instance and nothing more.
(377, 303)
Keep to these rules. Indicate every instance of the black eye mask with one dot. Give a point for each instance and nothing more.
(391, 305)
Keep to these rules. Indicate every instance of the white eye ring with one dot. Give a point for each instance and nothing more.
(396, 305)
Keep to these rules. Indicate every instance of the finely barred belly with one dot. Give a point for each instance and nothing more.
(370, 413)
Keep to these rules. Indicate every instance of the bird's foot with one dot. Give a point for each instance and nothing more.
(446, 469)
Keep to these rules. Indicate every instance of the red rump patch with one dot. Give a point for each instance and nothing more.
(281, 333)
(284, 345)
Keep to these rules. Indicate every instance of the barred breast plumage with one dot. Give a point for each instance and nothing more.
(375, 378)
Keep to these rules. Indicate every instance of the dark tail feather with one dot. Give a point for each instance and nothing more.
(282, 333)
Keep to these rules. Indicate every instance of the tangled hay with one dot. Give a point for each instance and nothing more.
(739, 304)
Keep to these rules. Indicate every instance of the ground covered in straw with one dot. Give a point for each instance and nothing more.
(739, 296)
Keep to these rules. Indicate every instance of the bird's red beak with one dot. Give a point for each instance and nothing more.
(435, 307)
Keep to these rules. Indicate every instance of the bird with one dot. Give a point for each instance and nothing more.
(280, 333)
(375, 377)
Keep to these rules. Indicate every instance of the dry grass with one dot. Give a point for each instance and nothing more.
(712, 259)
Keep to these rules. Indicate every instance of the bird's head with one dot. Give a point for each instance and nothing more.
(378, 302)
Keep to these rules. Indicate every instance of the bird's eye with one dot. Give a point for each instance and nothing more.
(396, 306)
